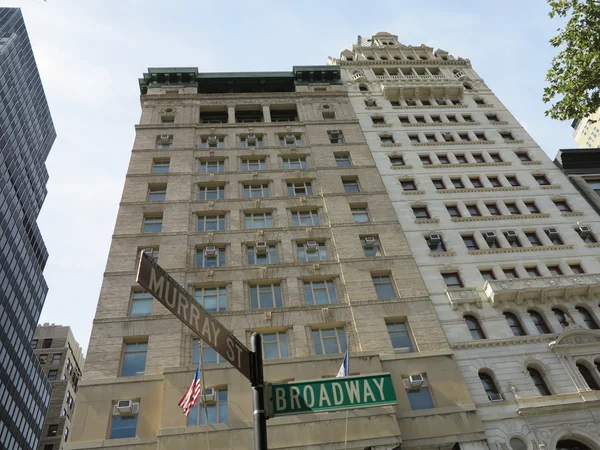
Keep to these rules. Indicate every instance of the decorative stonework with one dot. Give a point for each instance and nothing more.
(483, 189)
(450, 143)
(463, 296)
(484, 251)
(484, 164)
(503, 217)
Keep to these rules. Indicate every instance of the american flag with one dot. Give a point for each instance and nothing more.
(190, 398)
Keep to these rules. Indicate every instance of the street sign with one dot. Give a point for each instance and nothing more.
(166, 290)
(331, 394)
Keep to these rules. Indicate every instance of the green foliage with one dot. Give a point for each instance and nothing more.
(574, 76)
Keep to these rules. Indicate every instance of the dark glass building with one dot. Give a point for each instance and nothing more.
(26, 136)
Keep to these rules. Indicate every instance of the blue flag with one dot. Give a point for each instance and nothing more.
(343, 372)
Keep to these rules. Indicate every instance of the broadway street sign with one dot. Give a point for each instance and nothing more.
(332, 393)
(166, 290)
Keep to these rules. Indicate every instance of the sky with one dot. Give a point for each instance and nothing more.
(90, 55)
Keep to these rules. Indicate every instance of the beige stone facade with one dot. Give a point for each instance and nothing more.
(586, 131)
(349, 203)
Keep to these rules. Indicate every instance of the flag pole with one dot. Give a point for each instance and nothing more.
(347, 374)
(202, 392)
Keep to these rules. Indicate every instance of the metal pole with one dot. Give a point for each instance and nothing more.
(258, 394)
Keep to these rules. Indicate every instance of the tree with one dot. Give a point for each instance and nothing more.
(574, 75)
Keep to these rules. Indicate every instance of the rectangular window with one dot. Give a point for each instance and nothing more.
(34, 343)
(256, 190)
(473, 210)
(553, 235)
(275, 345)
(562, 206)
(425, 160)
(384, 286)
(511, 274)
(290, 139)
(555, 270)
(294, 162)
(212, 166)
(211, 192)
(52, 430)
(328, 115)
(421, 212)
(443, 159)
(213, 299)
(265, 296)
(488, 275)
(476, 182)
(335, 137)
(436, 119)
(251, 140)
(210, 256)
(122, 427)
(253, 165)
(430, 137)
(52, 375)
(400, 337)
(305, 218)
(533, 239)
(577, 269)
(209, 355)
(262, 255)
(451, 118)
(371, 246)
(595, 185)
(404, 119)
(329, 341)
(378, 120)
(217, 408)
(457, 183)
(478, 157)
(470, 242)
(342, 160)
(496, 157)
(531, 206)
(160, 166)
(164, 142)
(493, 209)
(420, 119)
(452, 280)
(414, 138)
(453, 210)
(467, 118)
(211, 223)
(420, 398)
(408, 185)
(386, 139)
(523, 156)
(208, 116)
(134, 358)
(319, 292)
(507, 136)
(533, 271)
(47, 343)
(56, 357)
(152, 224)
(461, 158)
(311, 251)
(141, 303)
(438, 183)
(494, 181)
(492, 117)
(481, 137)
(463, 137)
(283, 113)
(351, 185)
(258, 220)
(512, 180)
(212, 142)
(299, 188)
(157, 193)
(513, 208)
(542, 180)
(360, 214)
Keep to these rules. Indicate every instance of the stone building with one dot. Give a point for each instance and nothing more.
(62, 360)
(259, 193)
(586, 131)
(506, 246)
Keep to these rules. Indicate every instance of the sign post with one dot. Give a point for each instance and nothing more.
(259, 414)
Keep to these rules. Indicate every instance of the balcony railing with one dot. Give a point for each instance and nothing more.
(460, 296)
(412, 77)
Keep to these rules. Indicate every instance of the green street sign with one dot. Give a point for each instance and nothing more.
(330, 394)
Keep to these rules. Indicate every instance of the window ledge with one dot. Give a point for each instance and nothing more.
(531, 163)
(426, 144)
(408, 166)
(483, 164)
(485, 189)
(571, 213)
(503, 217)
(370, 108)
(416, 192)
(429, 220)
(435, 124)
(485, 106)
(593, 245)
(551, 186)
(382, 125)
(499, 122)
(514, 141)
(539, 248)
(428, 107)
(530, 339)
(462, 296)
(441, 254)
(395, 144)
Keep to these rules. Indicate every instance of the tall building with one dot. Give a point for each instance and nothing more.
(582, 166)
(26, 136)
(62, 360)
(586, 131)
(259, 194)
(506, 245)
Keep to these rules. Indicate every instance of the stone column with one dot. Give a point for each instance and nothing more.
(266, 113)
(231, 114)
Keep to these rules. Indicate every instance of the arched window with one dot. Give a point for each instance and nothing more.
(538, 381)
(363, 88)
(539, 322)
(570, 444)
(588, 377)
(561, 317)
(514, 324)
(467, 86)
(490, 387)
(474, 327)
(587, 317)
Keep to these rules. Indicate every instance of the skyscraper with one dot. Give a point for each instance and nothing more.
(26, 136)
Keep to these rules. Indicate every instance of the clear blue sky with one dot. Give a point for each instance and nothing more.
(91, 53)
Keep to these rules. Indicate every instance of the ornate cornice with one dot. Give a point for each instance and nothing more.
(450, 143)
(442, 124)
(517, 340)
(429, 107)
(395, 144)
(503, 217)
(541, 248)
(442, 254)
(459, 165)
(484, 189)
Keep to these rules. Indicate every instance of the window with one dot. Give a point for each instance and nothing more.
(586, 235)
(212, 298)
(299, 188)
(294, 162)
(461, 159)
(360, 214)
(487, 275)
(141, 303)
(539, 322)
(561, 317)
(463, 137)
(371, 246)
(453, 211)
(588, 377)
(452, 280)
(134, 358)
(384, 287)
(260, 256)
(451, 118)
(479, 101)
(421, 212)
(553, 235)
(408, 185)
(476, 182)
(335, 137)
(292, 139)
(152, 224)
(532, 207)
(420, 398)
(212, 166)
(43, 358)
(400, 337)
(305, 218)
(404, 119)
(275, 345)
(52, 375)
(218, 410)
(523, 156)
(494, 181)
(160, 166)
(250, 115)
(47, 446)
(438, 183)
(256, 190)
(209, 116)
(319, 292)
(514, 324)
(211, 223)
(328, 341)
(492, 117)
(209, 355)
(443, 159)
(436, 119)
(576, 269)
(473, 210)
(252, 165)
(425, 159)
(52, 430)
(457, 183)
(311, 251)
(555, 270)
(493, 209)
(541, 180)
(420, 119)
(474, 327)
(478, 157)
(467, 118)
(513, 208)
(538, 381)
(562, 205)
(211, 192)
(157, 193)
(351, 185)
(362, 87)
(258, 220)
(386, 139)
(587, 318)
(265, 296)
(164, 142)
(533, 272)
(436, 245)
(507, 136)
(414, 138)
(212, 142)
(56, 357)
(34, 343)
(378, 120)
(533, 239)
(489, 386)
(481, 137)
(595, 185)
(210, 256)
(496, 157)
(284, 113)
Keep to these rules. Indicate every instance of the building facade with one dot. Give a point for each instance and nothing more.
(26, 136)
(258, 192)
(582, 166)
(586, 131)
(506, 246)
(62, 361)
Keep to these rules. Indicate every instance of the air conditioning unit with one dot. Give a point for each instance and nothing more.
(495, 397)
(290, 138)
(212, 139)
(334, 133)
(210, 251)
(370, 102)
(261, 248)
(434, 239)
(447, 135)
(414, 382)
(489, 236)
(125, 408)
(164, 138)
(584, 231)
(370, 240)
(207, 395)
(312, 246)
(510, 235)
(251, 139)
(551, 232)
(149, 250)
